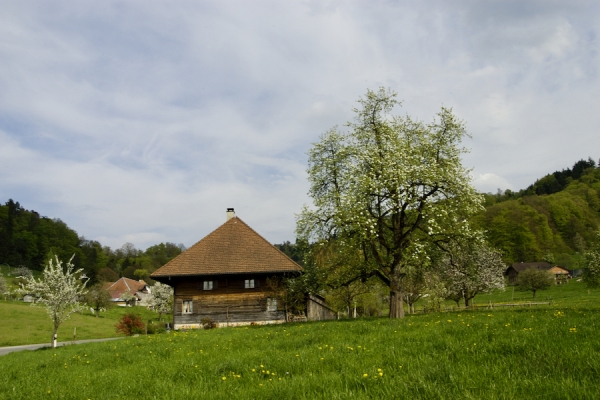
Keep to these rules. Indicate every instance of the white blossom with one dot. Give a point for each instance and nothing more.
(59, 289)
(161, 298)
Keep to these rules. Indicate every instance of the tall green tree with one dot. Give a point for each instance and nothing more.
(390, 186)
(533, 279)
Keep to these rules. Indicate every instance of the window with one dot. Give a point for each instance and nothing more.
(271, 304)
(249, 284)
(208, 285)
(188, 307)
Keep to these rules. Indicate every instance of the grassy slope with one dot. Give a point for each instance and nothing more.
(543, 353)
(540, 352)
(26, 324)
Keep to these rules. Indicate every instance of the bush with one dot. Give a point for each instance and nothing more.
(208, 323)
(130, 324)
(152, 328)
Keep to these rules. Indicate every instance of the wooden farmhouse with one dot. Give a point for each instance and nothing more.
(560, 274)
(224, 277)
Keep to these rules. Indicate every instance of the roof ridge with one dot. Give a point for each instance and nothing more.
(232, 248)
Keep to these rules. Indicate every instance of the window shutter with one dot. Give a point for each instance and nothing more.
(196, 309)
(257, 283)
(215, 285)
(178, 306)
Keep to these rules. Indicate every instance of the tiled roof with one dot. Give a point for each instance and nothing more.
(123, 285)
(232, 248)
(537, 265)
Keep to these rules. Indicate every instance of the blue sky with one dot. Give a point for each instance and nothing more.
(142, 121)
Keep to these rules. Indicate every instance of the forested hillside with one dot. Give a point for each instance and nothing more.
(554, 219)
(27, 239)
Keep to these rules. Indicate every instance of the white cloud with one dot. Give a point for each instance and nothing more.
(143, 121)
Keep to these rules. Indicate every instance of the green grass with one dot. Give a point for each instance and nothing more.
(543, 352)
(23, 323)
(573, 294)
(533, 353)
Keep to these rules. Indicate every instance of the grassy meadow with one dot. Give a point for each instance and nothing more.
(573, 294)
(543, 352)
(23, 323)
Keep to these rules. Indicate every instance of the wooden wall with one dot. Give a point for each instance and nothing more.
(317, 309)
(228, 303)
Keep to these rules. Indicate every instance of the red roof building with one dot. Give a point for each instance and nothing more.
(125, 291)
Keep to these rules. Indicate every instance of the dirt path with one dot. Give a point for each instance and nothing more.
(6, 350)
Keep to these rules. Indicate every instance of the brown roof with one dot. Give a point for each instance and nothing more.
(123, 285)
(537, 265)
(232, 248)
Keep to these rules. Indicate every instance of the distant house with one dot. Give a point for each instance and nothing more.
(128, 292)
(224, 277)
(560, 274)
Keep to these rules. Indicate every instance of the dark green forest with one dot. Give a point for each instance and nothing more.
(554, 220)
(28, 239)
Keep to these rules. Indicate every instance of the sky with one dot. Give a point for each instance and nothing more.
(142, 121)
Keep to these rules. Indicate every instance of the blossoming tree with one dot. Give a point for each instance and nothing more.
(161, 299)
(389, 187)
(59, 289)
(469, 269)
(591, 264)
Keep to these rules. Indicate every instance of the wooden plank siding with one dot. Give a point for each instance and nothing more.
(229, 303)
(318, 310)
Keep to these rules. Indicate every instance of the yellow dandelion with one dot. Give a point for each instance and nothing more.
(224, 378)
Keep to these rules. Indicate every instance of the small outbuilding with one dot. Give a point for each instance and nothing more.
(560, 274)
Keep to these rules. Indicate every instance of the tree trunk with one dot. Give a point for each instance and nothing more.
(396, 296)
(54, 337)
(396, 304)
(534, 294)
(467, 302)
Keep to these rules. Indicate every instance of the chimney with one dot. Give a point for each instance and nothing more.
(230, 213)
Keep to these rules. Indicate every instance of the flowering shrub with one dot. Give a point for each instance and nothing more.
(130, 324)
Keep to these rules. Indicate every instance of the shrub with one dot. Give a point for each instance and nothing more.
(208, 323)
(130, 324)
(152, 328)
